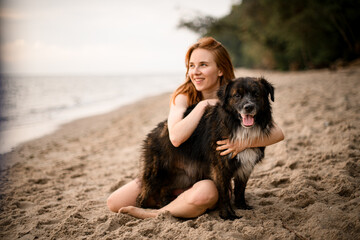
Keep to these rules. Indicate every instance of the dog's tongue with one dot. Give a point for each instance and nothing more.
(248, 120)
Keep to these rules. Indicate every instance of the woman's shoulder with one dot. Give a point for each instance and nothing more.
(181, 100)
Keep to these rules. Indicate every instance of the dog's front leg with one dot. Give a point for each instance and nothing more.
(223, 185)
(239, 192)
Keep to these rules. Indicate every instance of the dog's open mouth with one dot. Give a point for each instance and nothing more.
(247, 120)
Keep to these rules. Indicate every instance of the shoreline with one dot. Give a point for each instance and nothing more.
(306, 187)
(54, 130)
(41, 114)
(15, 136)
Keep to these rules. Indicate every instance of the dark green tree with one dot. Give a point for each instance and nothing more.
(279, 34)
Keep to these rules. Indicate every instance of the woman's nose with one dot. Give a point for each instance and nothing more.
(196, 70)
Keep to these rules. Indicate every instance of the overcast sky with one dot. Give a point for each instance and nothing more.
(99, 36)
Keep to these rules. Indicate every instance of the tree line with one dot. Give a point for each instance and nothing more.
(286, 35)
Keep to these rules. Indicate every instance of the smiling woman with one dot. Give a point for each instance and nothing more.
(202, 82)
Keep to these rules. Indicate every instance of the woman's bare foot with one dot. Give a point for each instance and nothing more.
(140, 212)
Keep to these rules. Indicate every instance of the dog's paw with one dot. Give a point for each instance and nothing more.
(243, 206)
(229, 216)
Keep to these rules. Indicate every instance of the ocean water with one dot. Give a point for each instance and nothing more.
(34, 106)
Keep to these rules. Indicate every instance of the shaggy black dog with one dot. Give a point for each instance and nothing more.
(242, 114)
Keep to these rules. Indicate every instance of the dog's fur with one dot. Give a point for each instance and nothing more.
(242, 114)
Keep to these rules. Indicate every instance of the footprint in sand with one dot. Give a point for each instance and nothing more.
(280, 182)
(40, 181)
(24, 204)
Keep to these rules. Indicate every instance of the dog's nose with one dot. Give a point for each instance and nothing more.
(249, 107)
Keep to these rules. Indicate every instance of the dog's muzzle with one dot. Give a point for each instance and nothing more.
(247, 114)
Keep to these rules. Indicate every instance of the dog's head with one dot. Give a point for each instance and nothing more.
(248, 100)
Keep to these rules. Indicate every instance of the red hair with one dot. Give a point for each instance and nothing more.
(222, 60)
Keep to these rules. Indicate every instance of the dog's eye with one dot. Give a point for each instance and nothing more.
(237, 95)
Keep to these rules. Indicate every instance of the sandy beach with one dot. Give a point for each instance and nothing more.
(307, 187)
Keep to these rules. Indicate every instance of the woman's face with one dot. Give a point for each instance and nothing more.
(203, 71)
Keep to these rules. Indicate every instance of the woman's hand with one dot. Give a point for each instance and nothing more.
(228, 147)
(180, 128)
(234, 148)
(211, 102)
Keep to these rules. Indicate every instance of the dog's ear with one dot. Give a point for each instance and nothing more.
(268, 88)
(224, 92)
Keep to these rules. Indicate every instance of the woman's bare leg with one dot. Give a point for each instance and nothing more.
(124, 196)
(189, 204)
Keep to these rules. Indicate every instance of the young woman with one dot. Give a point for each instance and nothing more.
(208, 67)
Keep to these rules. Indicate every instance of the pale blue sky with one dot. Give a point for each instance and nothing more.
(99, 36)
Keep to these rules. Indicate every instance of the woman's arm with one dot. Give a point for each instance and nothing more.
(180, 129)
(227, 147)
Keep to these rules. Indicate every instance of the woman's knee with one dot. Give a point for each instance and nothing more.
(204, 194)
(113, 204)
(124, 196)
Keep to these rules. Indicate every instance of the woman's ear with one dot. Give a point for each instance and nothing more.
(220, 73)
